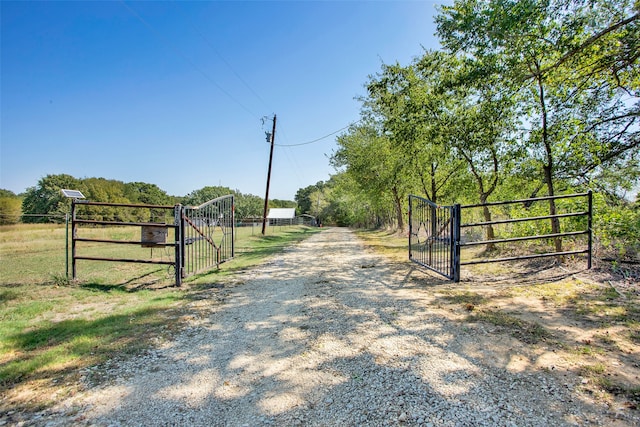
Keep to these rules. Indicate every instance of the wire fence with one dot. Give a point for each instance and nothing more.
(34, 251)
(38, 251)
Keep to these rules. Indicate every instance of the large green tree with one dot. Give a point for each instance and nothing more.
(45, 202)
(306, 200)
(148, 194)
(197, 197)
(377, 167)
(248, 206)
(574, 70)
(477, 123)
(407, 103)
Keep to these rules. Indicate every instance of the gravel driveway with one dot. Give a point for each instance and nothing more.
(325, 334)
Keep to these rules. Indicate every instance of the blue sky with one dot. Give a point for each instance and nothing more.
(173, 93)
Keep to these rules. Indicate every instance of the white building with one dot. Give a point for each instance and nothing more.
(282, 216)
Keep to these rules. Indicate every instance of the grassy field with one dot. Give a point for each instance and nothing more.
(51, 328)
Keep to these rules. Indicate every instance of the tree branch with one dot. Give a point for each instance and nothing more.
(591, 40)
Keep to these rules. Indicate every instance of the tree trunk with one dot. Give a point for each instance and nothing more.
(488, 229)
(555, 222)
(484, 194)
(434, 187)
(398, 203)
(548, 167)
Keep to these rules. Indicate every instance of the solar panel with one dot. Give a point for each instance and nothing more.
(72, 194)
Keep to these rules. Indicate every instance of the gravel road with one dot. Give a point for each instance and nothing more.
(327, 334)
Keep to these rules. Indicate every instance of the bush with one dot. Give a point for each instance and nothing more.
(617, 227)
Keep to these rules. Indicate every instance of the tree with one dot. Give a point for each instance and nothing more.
(10, 207)
(45, 202)
(344, 203)
(481, 118)
(414, 111)
(573, 68)
(147, 194)
(369, 157)
(304, 199)
(279, 203)
(248, 206)
(197, 197)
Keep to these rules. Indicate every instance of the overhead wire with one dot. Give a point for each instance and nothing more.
(318, 139)
(289, 153)
(222, 58)
(178, 52)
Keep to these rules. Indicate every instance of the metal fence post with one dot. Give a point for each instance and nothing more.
(410, 226)
(233, 226)
(589, 228)
(457, 220)
(73, 239)
(66, 245)
(179, 240)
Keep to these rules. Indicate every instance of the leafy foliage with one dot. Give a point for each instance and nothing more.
(10, 207)
(617, 225)
(526, 99)
(45, 202)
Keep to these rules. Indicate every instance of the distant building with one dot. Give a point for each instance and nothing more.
(282, 216)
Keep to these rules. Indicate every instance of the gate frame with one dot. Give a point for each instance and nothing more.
(186, 223)
(449, 226)
(456, 243)
(178, 241)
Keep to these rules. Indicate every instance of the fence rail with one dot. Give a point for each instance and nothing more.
(203, 236)
(433, 246)
(145, 242)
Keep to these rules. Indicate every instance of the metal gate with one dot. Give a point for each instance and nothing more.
(207, 234)
(431, 236)
(199, 237)
(435, 232)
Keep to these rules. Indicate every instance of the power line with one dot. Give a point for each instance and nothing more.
(317, 139)
(183, 56)
(213, 48)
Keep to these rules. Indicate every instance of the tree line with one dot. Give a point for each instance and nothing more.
(45, 202)
(525, 98)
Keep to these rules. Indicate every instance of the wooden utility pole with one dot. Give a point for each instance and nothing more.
(266, 197)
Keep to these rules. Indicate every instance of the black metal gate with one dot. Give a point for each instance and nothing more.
(207, 234)
(431, 236)
(199, 237)
(435, 232)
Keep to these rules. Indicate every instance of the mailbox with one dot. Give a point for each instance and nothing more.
(153, 235)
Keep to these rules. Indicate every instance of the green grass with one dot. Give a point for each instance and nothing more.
(392, 244)
(36, 253)
(51, 328)
(47, 330)
(595, 369)
(588, 350)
